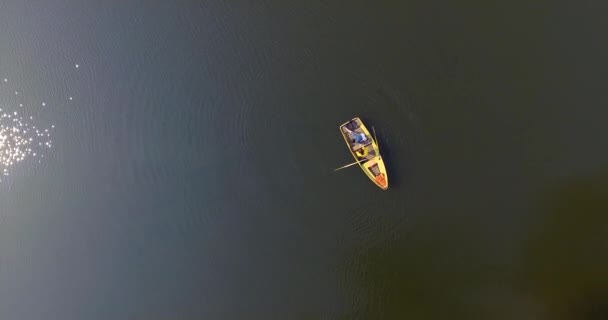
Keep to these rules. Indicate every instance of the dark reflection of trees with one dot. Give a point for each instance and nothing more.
(560, 273)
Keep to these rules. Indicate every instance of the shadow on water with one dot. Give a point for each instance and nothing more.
(442, 272)
(396, 174)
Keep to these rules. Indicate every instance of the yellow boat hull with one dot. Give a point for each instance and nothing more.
(366, 151)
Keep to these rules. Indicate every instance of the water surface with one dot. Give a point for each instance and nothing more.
(191, 174)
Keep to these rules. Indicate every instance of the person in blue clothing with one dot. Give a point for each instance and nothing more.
(359, 137)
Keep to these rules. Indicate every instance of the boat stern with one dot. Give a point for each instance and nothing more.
(381, 181)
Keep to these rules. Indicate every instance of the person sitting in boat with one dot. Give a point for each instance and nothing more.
(362, 153)
(359, 137)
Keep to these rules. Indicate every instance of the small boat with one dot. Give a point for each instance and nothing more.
(365, 150)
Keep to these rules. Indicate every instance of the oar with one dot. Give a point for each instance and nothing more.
(375, 139)
(351, 164)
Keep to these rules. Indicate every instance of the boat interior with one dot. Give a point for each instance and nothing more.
(375, 170)
(363, 150)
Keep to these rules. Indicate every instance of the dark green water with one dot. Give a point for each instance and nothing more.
(191, 175)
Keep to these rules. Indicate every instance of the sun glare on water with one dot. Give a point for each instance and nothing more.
(22, 138)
